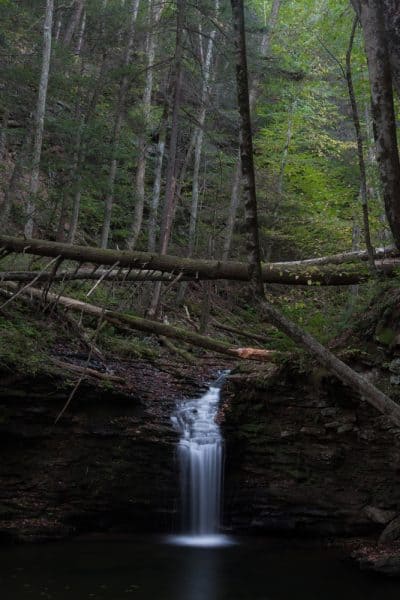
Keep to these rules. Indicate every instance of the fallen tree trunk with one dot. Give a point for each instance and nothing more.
(297, 273)
(152, 327)
(341, 258)
(348, 376)
(90, 275)
(88, 371)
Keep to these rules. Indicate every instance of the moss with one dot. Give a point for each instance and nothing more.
(24, 342)
(130, 347)
(385, 335)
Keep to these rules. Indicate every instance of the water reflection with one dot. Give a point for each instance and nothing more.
(148, 570)
(199, 580)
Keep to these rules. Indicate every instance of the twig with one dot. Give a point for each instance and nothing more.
(88, 371)
(104, 275)
(84, 372)
(28, 285)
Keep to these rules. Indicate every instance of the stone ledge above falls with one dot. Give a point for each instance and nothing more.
(305, 457)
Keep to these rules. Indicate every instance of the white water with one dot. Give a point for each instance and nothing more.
(200, 453)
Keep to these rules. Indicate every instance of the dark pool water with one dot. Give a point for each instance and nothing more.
(148, 569)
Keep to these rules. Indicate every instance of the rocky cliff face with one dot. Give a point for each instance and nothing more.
(306, 457)
(108, 465)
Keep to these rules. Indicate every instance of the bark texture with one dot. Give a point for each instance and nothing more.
(39, 118)
(246, 147)
(122, 95)
(380, 74)
(295, 273)
(360, 148)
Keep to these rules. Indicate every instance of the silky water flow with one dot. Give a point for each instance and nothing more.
(201, 456)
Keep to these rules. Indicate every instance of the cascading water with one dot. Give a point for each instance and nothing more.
(200, 453)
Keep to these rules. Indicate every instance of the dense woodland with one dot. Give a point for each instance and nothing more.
(203, 148)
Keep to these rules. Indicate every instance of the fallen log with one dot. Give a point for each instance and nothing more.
(124, 321)
(341, 258)
(347, 375)
(122, 275)
(275, 274)
(193, 269)
(88, 371)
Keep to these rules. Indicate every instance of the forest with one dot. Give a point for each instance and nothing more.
(199, 191)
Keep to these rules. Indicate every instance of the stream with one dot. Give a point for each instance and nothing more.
(197, 563)
(148, 569)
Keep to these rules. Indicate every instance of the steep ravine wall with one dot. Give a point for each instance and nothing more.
(303, 457)
(306, 457)
(108, 465)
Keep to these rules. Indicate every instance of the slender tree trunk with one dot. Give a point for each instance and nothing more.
(270, 27)
(58, 27)
(206, 68)
(170, 184)
(171, 175)
(387, 153)
(207, 75)
(123, 91)
(360, 149)
(392, 24)
(11, 192)
(80, 151)
(281, 178)
(233, 208)
(384, 235)
(246, 149)
(39, 118)
(154, 16)
(81, 35)
(73, 22)
(155, 199)
(3, 133)
(236, 186)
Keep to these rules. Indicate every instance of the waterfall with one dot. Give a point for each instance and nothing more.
(200, 454)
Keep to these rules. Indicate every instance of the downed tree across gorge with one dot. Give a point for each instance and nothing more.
(145, 266)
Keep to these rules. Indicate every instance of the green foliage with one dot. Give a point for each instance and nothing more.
(24, 343)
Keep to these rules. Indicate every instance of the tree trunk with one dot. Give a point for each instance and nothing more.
(206, 74)
(349, 377)
(392, 25)
(171, 175)
(3, 133)
(360, 149)
(79, 43)
(80, 151)
(123, 91)
(236, 186)
(11, 192)
(39, 118)
(73, 22)
(155, 199)
(343, 372)
(281, 177)
(292, 273)
(234, 205)
(170, 184)
(371, 18)
(124, 321)
(154, 16)
(246, 149)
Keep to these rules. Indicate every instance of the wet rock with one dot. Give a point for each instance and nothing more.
(318, 481)
(392, 532)
(377, 515)
(345, 429)
(108, 464)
